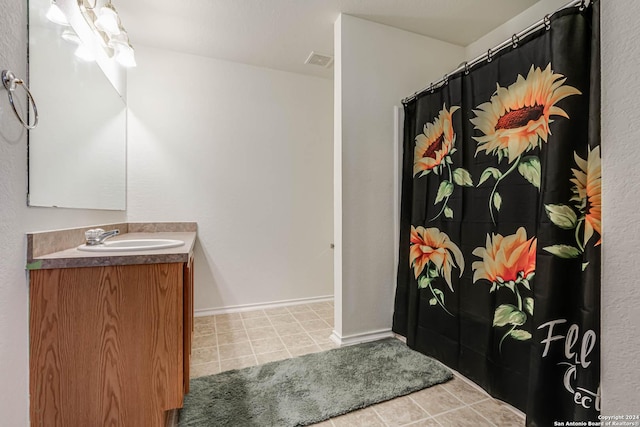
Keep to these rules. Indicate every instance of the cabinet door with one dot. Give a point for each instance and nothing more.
(106, 345)
(188, 320)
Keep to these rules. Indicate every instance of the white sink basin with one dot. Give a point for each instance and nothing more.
(132, 245)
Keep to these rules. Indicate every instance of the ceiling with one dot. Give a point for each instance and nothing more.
(280, 34)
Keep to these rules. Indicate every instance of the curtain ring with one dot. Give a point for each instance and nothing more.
(547, 22)
(445, 80)
(10, 82)
(431, 89)
(489, 53)
(583, 5)
(514, 40)
(466, 68)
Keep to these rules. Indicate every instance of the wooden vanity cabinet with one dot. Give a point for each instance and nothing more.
(109, 346)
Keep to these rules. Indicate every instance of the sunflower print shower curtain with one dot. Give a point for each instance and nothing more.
(501, 228)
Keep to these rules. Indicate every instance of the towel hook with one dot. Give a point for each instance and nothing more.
(10, 82)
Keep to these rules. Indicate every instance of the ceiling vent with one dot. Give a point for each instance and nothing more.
(325, 61)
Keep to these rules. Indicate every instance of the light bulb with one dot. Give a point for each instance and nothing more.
(85, 53)
(54, 14)
(70, 36)
(125, 55)
(108, 20)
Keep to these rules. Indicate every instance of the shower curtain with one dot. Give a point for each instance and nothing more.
(499, 271)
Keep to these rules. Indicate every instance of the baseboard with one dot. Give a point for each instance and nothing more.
(260, 306)
(347, 340)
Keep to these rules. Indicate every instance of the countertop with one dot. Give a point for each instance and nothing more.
(73, 258)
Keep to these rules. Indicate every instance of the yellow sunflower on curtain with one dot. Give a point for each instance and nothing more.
(516, 120)
(587, 198)
(432, 153)
(432, 254)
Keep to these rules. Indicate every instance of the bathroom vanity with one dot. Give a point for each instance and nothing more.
(110, 333)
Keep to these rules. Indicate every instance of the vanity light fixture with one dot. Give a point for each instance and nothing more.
(54, 14)
(108, 20)
(123, 50)
(105, 25)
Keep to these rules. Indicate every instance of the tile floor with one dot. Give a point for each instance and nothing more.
(239, 340)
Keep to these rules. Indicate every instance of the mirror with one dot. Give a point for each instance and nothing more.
(77, 154)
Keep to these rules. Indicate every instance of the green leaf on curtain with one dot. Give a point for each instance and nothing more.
(462, 177)
(584, 265)
(520, 335)
(529, 168)
(497, 200)
(562, 216)
(424, 282)
(488, 172)
(448, 212)
(433, 301)
(507, 314)
(445, 190)
(439, 294)
(528, 305)
(563, 251)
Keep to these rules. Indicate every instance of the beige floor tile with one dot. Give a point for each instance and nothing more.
(298, 308)
(363, 418)
(289, 329)
(252, 314)
(232, 337)
(204, 341)
(256, 322)
(399, 411)
(203, 329)
(329, 320)
(238, 363)
(324, 312)
(429, 422)
(204, 369)
(204, 355)
(232, 325)
(262, 333)
(436, 400)
(306, 315)
(465, 391)
(317, 306)
(282, 319)
(298, 340)
(321, 336)
(276, 311)
(233, 351)
(463, 417)
(227, 317)
(498, 413)
(301, 351)
(314, 325)
(272, 357)
(328, 346)
(268, 345)
(203, 320)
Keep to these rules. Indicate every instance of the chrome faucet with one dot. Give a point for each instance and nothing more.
(97, 236)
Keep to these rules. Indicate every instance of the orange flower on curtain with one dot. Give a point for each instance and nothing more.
(587, 198)
(509, 262)
(433, 150)
(433, 255)
(516, 120)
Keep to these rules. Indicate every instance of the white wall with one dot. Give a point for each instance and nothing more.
(376, 67)
(513, 26)
(15, 220)
(246, 152)
(620, 342)
(620, 205)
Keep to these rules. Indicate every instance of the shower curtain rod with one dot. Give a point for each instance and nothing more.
(513, 41)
